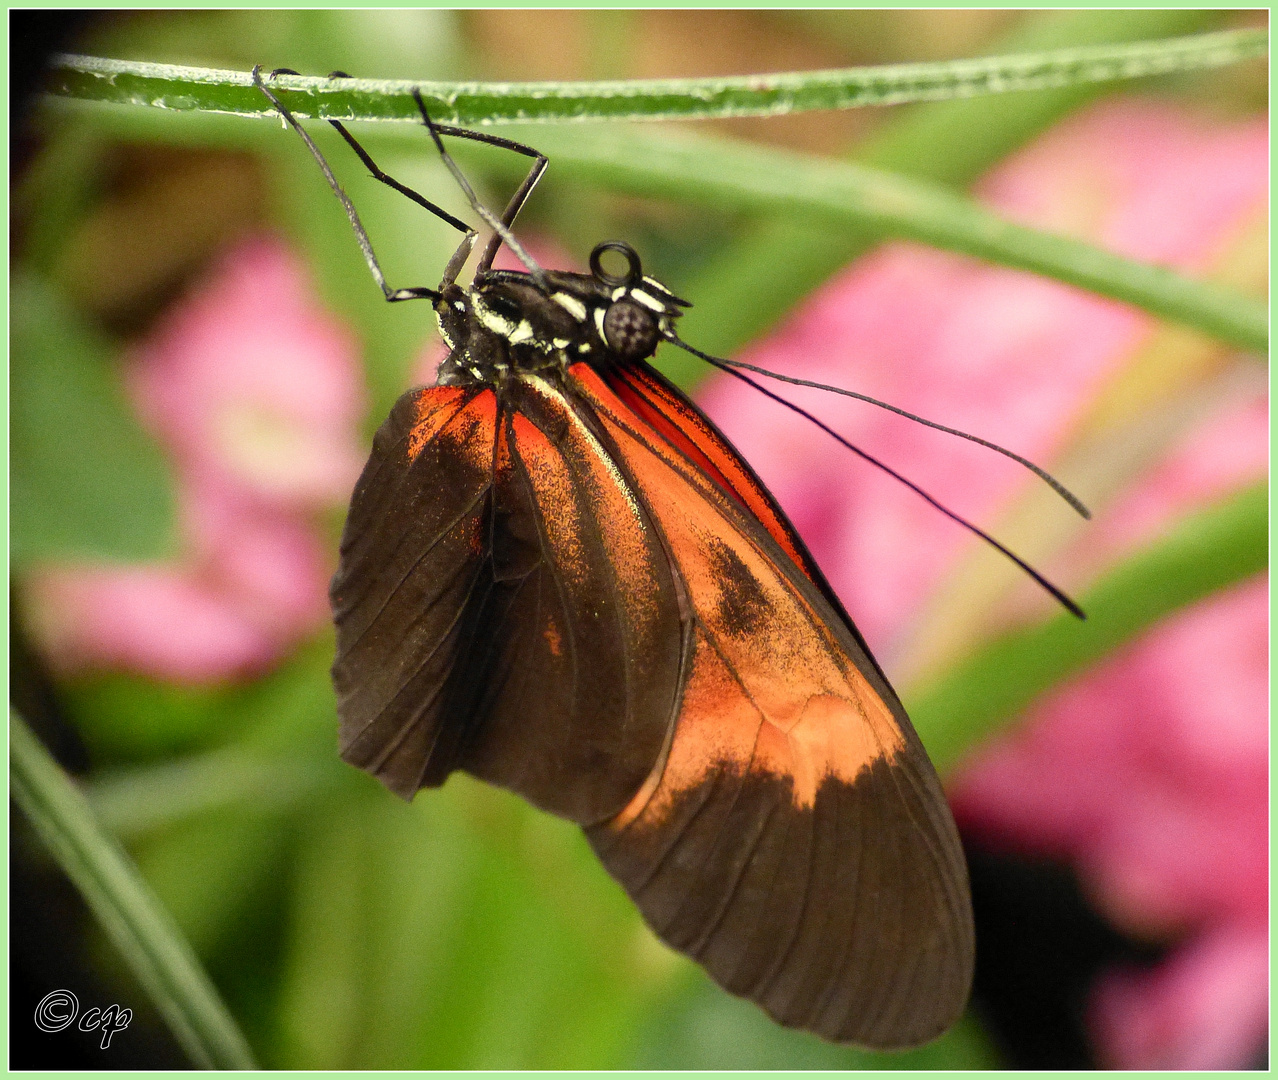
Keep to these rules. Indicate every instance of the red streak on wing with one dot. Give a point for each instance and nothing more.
(684, 426)
(436, 407)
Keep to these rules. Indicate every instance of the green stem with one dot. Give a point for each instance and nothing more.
(172, 87)
(129, 912)
(1207, 551)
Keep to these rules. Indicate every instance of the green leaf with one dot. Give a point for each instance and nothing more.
(465, 931)
(121, 715)
(170, 86)
(134, 920)
(131, 717)
(209, 871)
(87, 481)
(145, 798)
(1207, 551)
(275, 735)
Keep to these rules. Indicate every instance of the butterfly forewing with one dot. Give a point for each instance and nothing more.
(662, 407)
(796, 841)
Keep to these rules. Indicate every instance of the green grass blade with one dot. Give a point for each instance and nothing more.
(142, 930)
(173, 87)
(875, 204)
(1207, 551)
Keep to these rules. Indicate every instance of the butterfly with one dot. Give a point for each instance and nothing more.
(559, 576)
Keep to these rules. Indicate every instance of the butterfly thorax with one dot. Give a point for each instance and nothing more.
(506, 325)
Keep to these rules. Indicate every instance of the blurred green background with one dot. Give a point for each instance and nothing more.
(346, 929)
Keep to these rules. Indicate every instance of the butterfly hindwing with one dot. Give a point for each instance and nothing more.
(795, 840)
(512, 614)
(411, 555)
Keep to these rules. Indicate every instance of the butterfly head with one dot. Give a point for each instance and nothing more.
(506, 322)
(635, 312)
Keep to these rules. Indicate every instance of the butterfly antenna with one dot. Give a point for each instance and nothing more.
(1074, 501)
(722, 365)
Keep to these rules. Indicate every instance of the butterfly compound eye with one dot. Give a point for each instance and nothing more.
(634, 270)
(630, 330)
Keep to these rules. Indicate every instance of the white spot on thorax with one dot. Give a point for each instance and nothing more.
(570, 304)
(498, 324)
(521, 333)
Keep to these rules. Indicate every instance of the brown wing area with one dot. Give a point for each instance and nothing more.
(411, 559)
(504, 606)
(795, 841)
(575, 650)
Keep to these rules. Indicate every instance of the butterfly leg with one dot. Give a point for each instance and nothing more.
(500, 226)
(361, 234)
(525, 189)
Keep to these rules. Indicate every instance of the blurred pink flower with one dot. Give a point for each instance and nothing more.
(253, 385)
(1150, 773)
(997, 352)
(1198, 1009)
(255, 389)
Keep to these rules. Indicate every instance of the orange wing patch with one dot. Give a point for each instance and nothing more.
(436, 408)
(553, 482)
(618, 518)
(771, 689)
(684, 426)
